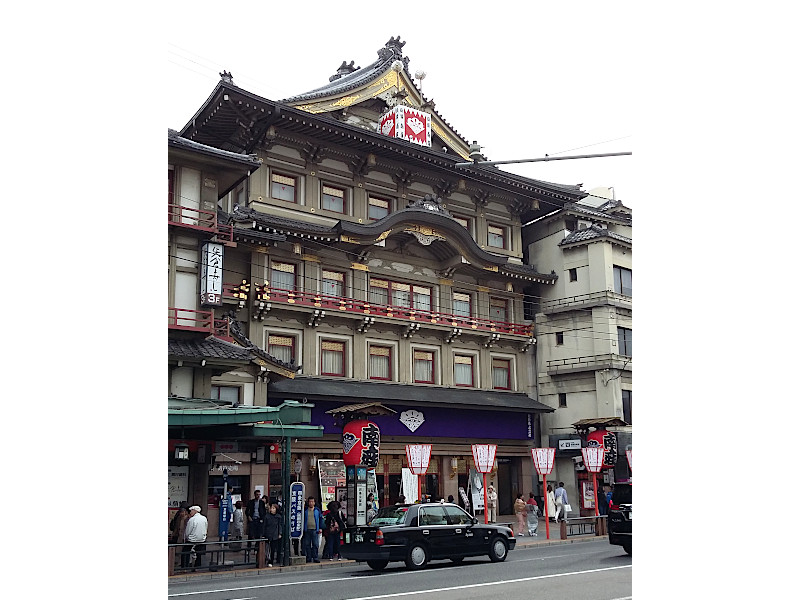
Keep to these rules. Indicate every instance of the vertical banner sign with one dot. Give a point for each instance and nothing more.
(350, 476)
(361, 495)
(543, 461)
(225, 512)
(297, 499)
(211, 275)
(483, 455)
(593, 457)
(361, 441)
(629, 454)
(419, 456)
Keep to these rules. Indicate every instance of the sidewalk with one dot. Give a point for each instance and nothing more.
(522, 542)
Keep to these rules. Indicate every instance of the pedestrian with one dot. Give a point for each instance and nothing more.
(196, 531)
(334, 525)
(313, 528)
(533, 515)
(491, 503)
(450, 499)
(401, 499)
(602, 501)
(238, 521)
(178, 532)
(561, 501)
(551, 504)
(272, 531)
(609, 494)
(520, 510)
(256, 512)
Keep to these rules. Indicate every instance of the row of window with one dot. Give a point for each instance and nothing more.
(623, 280)
(627, 408)
(380, 364)
(335, 199)
(385, 292)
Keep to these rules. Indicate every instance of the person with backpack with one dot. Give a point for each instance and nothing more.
(334, 525)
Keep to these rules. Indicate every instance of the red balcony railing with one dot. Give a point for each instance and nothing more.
(194, 218)
(362, 307)
(191, 320)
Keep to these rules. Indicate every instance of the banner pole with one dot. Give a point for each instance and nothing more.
(594, 487)
(485, 502)
(546, 512)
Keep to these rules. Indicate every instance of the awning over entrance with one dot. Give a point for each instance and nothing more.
(316, 388)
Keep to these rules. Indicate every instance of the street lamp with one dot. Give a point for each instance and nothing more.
(543, 461)
(593, 459)
(483, 456)
(419, 456)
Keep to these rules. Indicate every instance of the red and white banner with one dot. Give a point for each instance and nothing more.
(483, 455)
(361, 443)
(593, 458)
(419, 457)
(408, 124)
(543, 459)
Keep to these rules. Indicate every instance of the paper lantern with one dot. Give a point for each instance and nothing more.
(483, 455)
(543, 459)
(419, 456)
(361, 443)
(606, 440)
(593, 458)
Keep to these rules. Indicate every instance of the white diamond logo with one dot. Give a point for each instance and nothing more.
(415, 124)
(412, 419)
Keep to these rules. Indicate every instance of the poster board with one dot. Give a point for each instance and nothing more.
(178, 487)
(331, 475)
(476, 489)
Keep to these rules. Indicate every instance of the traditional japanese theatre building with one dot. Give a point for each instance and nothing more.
(365, 268)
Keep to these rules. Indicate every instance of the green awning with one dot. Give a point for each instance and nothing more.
(193, 412)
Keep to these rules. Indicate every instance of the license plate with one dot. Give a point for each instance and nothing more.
(630, 515)
(358, 537)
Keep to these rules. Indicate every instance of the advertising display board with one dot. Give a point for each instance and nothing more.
(178, 488)
(331, 475)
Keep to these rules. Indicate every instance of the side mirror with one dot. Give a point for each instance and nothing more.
(474, 520)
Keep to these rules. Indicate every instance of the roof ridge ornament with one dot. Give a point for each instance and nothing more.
(393, 49)
(429, 202)
(344, 69)
(226, 77)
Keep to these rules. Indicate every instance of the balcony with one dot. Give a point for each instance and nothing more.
(264, 298)
(184, 319)
(199, 220)
(589, 363)
(601, 298)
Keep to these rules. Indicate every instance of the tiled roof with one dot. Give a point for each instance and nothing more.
(210, 347)
(591, 233)
(244, 214)
(176, 141)
(529, 272)
(599, 212)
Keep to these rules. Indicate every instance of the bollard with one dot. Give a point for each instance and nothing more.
(261, 557)
(564, 529)
(171, 553)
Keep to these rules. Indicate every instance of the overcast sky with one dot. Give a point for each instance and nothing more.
(523, 81)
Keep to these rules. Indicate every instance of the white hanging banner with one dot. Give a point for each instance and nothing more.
(419, 456)
(410, 486)
(593, 458)
(483, 455)
(543, 459)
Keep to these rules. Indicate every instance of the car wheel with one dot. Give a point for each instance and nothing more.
(627, 547)
(498, 549)
(417, 557)
(377, 565)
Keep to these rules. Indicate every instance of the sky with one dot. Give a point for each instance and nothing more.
(522, 83)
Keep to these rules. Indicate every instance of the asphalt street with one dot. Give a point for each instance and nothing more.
(589, 571)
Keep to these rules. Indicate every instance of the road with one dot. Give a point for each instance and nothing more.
(586, 571)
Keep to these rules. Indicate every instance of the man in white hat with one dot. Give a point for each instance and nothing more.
(196, 531)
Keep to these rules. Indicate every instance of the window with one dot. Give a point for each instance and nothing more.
(282, 276)
(622, 281)
(380, 363)
(423, 366)
(625, 340)
(562, 400)
(462, 304)
(378, 208)
(281, 347)
(498, 309)
(284, 187)
(171, 193)
(497, 236)
(573, 274)
(394, 293)
(332, 358)
(501, 374)
(332, 283)
(240, 195)
(333, 199)
(464, 222)
(229, 393)
(627, 396)
(571, 224)
(464, 371)
(559, 338)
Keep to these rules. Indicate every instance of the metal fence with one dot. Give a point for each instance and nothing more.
(217, 556)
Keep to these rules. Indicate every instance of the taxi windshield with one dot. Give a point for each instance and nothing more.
(390, 515)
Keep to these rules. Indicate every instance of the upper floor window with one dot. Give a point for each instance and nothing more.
(332, 283)
(627, 399)
(281, 347)
(171, 193)
(282, 276)
(623, 281)
(497, 236)
(464, 370)
(228, 393)
(498, 309)
(382, 291)
(332, 358)
(284, 187)
(378, 208)
(562, 400)
(625, 341)
(464, 222)
(333, 199)
(501, 374)
(423, 366)
(559, 338)
(573, 274)
(462, 304)
(380, 362)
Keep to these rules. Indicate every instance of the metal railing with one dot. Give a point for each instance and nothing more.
(584, 526)
(215, 556)
(195, 218)
(190, 320)
(601, 297)
(611, 361)
(264, 294)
